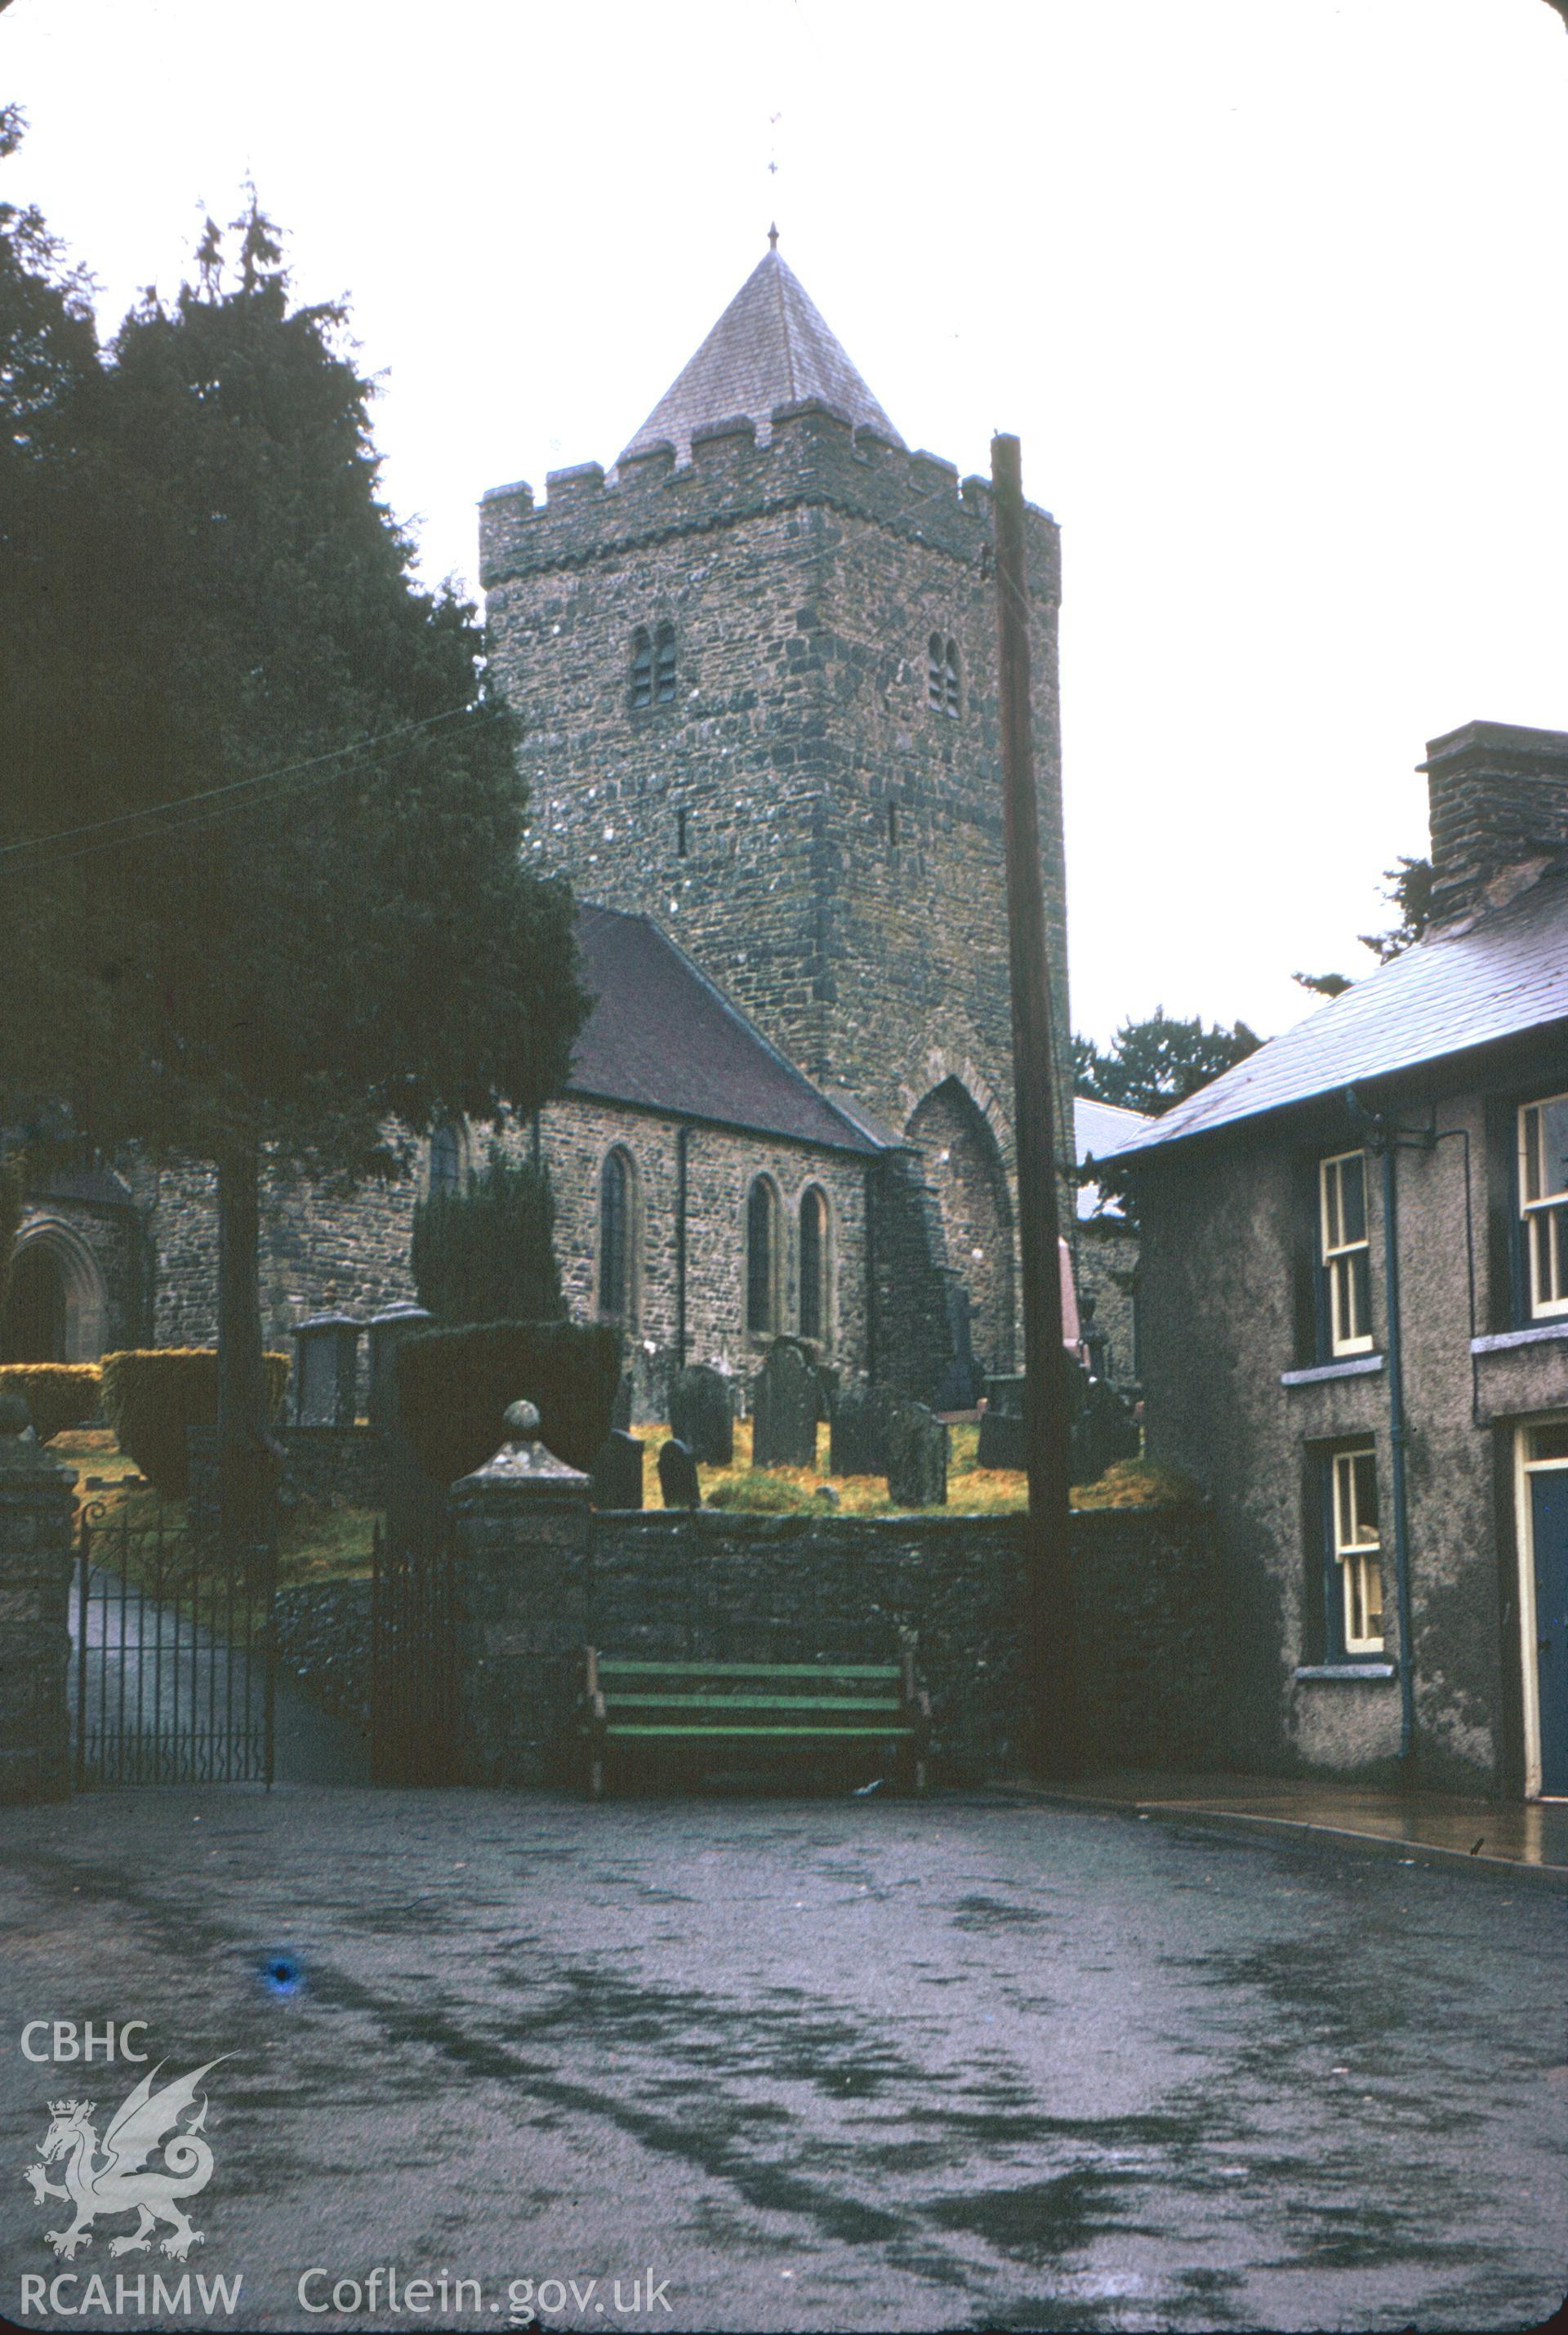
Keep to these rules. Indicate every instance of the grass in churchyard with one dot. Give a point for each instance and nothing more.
(316, 1541)
(972, 1490)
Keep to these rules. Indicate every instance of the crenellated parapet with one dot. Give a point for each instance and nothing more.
(812, 457)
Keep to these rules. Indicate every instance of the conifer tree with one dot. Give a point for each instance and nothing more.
(309, 919)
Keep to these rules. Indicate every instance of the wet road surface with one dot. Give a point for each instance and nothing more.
(816, 2063)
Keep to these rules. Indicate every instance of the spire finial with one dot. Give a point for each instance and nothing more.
(773, 239)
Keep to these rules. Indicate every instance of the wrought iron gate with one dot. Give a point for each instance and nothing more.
(414, 1719)
(173, 1665)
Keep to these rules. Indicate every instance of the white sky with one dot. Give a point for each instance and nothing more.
(1273, 296)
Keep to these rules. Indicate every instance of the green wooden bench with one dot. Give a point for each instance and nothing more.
(728, 1706)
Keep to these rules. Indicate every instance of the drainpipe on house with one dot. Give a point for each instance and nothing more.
(1383, 1139)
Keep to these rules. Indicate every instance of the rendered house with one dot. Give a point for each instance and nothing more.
(1354, 1322)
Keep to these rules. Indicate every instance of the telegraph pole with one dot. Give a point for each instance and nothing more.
(1048, 1619)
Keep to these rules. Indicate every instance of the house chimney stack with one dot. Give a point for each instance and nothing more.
(1498, 797)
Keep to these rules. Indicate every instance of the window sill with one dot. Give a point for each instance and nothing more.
(1369, 1670)
(1353, 1366)
(1540, 1334)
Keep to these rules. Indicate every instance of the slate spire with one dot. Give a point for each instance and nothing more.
(769, 347)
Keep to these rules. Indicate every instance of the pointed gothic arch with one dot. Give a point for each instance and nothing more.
(56, 1304)
(963, 1166)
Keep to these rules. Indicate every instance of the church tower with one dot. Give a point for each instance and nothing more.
(755, 668)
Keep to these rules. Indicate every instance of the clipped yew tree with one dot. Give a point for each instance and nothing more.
(454, 1387)
(151, 1395)
(310, 925)
(488, 1252)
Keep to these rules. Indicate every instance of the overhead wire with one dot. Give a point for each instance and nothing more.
(288, 779)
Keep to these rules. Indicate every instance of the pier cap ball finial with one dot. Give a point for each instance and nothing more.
(521, 1421)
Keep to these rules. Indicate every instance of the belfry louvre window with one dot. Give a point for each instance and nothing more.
(761, 1259)
(642, 669)
(1544, 1203)
(1346, 1253)
(943, 687)
(1356, 1552)
(652, 667)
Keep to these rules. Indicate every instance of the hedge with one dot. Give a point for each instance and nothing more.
(153, 1394)
(58, 1394)
(453, 1386)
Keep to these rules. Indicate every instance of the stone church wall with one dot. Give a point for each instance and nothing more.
(320, 1250)
(1104, 1268)
(720, 1167)
(348, 1251)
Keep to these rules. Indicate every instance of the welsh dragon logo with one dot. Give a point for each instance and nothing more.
(115, 2182)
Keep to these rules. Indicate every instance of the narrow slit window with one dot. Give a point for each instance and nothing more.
(1357, 1552)
(761, 1258)
(1544, 1203)
(446, 1161)
(665, 665)
(936, 672)
(1346, 1253)
(814, 1260)
(893, 822)
(641, 670)
(683, 834)
(615, 1236)
(952, 685)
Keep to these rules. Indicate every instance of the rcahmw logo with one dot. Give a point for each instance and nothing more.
(113, 2176)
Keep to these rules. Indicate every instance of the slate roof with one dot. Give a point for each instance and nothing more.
(1099, 1130)
(769, 347)
(1502, 975)
(94, 1188)
(663, 1037)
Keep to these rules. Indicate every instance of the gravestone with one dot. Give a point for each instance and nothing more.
(1096, 1344)
(960, 1386)
(615, 1479)
(916, 1457)
(678, 1476)
(387, 1332)
(859, 1436)
(785, 1403)
(326, 1371)
(1002, 1424)
(701, 1415)
(1107, 1431)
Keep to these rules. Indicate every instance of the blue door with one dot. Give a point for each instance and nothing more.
(1549, 1531)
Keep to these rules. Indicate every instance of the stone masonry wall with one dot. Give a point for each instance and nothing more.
(726, 1587)
(721, 1167)
(843, 873)
(321, 1249)
(35, 1561)
(350, 1251)
(1104, 1268)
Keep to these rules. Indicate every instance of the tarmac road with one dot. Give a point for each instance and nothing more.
(813, 2063)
